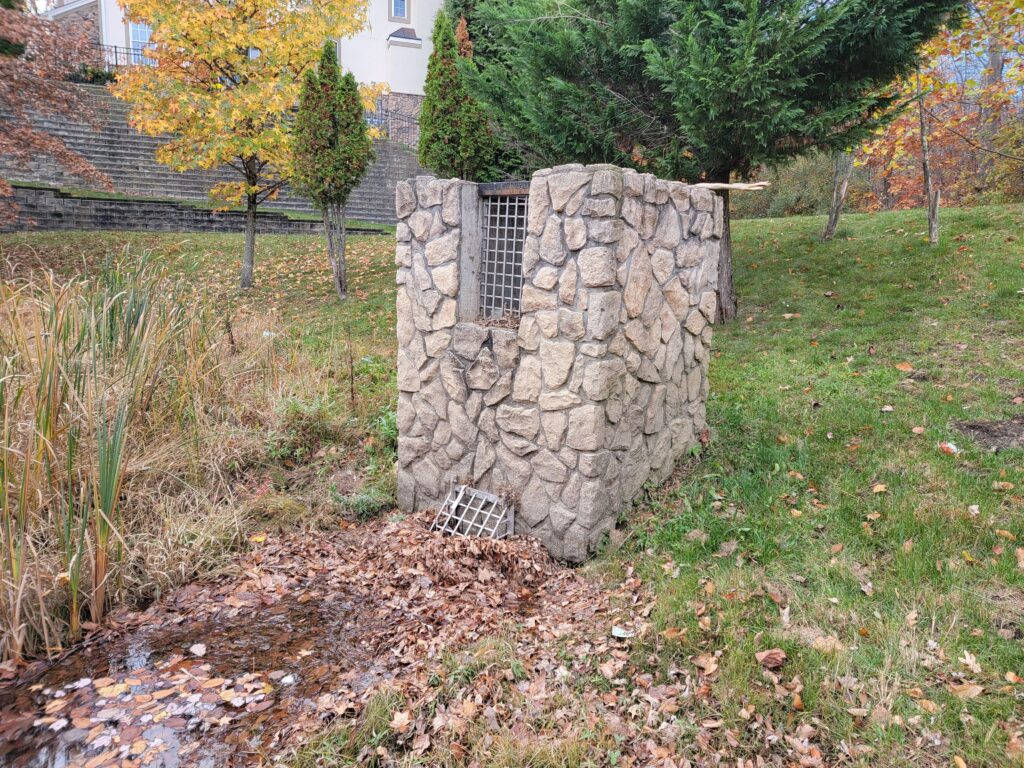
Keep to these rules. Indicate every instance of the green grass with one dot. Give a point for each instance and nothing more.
(801, 421)
(292, 277)
(907, 580)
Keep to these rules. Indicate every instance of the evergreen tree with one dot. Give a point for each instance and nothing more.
(7, 47)
(455, 137)
(332, 151)
(699, 89)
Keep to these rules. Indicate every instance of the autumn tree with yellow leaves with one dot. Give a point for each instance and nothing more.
(224, 80)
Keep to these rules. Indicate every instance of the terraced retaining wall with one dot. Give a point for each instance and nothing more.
(127, 157)
(52, 209)
(596, 388)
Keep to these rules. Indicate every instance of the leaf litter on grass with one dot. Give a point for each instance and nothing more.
(245, 670)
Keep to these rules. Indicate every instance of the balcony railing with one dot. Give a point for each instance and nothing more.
(117, 57)
(391, 120)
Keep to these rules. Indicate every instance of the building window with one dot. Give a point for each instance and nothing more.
(138, 35)
(399, 10)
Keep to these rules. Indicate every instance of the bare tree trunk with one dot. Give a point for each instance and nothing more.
(840, 186)
(727, 303)
(337, 233)
(931, 192)
(991, 115)
(249, 258)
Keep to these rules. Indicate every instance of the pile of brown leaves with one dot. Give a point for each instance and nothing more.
(245, 670)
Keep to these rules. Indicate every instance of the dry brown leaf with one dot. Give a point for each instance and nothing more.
(970, 661)
(706, 662)
(773, 658)
(966, 690)
(400, 721)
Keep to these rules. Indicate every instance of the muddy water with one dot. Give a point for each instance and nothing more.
(145, 698)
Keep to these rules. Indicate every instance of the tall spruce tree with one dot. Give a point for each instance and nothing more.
(455, 136)
(700, 90)
(332, 151)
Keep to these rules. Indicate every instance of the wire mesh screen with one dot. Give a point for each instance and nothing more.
(468, 512)
(501, 269)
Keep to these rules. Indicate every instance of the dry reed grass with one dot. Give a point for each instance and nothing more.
(129, 416)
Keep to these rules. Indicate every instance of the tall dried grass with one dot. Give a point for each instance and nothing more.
(127, 414)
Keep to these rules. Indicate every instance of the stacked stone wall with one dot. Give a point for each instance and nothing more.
(603, 383)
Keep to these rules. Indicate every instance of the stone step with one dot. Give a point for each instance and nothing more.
(51, 209)
(127, 158)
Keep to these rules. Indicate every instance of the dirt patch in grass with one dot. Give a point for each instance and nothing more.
(995, 435)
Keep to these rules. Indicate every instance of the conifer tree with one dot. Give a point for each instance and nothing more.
(455, 136)
(332, 151)
(701, 90)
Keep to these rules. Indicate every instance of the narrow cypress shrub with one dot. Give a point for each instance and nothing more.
(332, 151)
(455, 137)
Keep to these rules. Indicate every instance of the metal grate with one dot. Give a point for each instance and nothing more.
(501, 269)
(469, 512)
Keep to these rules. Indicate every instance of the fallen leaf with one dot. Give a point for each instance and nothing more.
(970, 661)
(966, 690)
(1002, 485)
(707, 662)
(726, 549)
(918, 430)
(199, 649)
(773, 658)
(401, 721)
(879, 488)
(905, 367)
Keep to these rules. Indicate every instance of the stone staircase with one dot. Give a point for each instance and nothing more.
(53, 209)
(127, 157)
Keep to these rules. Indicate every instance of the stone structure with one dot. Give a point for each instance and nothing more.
(50, 209)
(128, 159)
(601, 385)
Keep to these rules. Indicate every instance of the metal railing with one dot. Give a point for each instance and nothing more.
(117, 57)
(395, 124)
(504, 233)
(391, 122)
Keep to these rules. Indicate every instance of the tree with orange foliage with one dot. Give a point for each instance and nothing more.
(965, 109)
(36, 58)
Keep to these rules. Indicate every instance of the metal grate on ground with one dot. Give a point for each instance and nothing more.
(501, 268)
(468, 512)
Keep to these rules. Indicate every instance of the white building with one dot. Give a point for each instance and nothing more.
(393, 48)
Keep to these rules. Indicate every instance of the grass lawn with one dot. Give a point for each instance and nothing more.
(823, 519)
